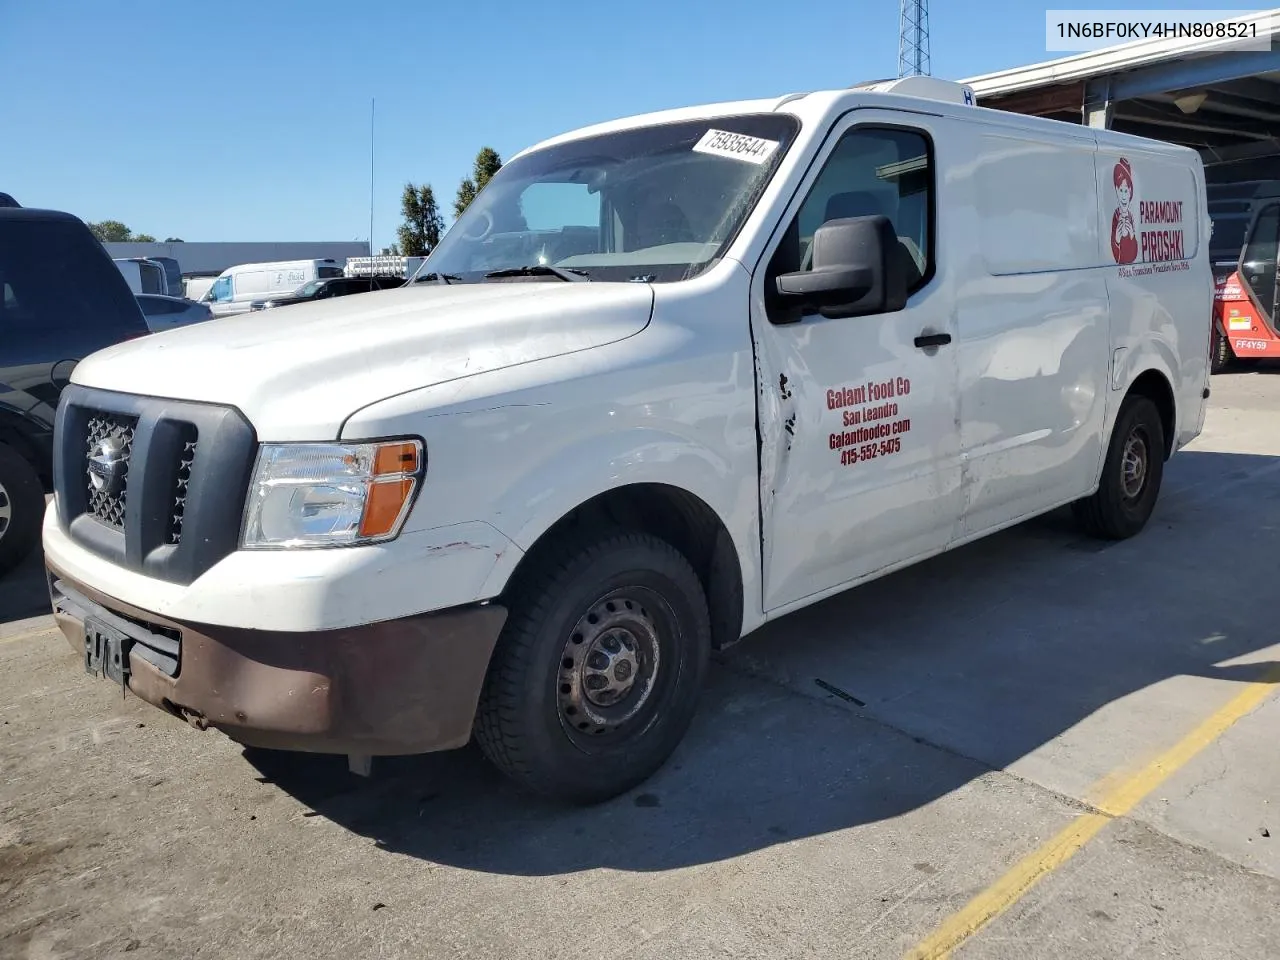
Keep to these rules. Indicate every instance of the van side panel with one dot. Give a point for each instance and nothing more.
(1033, 325)
(1151, 203)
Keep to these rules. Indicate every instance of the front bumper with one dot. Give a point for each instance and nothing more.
(400, 686)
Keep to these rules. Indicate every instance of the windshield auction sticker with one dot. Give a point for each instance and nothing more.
(738, 146)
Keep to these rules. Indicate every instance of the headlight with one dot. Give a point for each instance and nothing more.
(331, 494)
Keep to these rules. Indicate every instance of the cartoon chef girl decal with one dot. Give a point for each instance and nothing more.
(1124, 232)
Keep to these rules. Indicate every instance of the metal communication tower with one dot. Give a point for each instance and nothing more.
(913, 38)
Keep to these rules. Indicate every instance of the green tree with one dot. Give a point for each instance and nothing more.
(487, 163)
(143, 238)
(173, 240)
(422, 226)
(111, 231)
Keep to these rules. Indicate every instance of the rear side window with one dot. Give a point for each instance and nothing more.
(153, 279)
(60, 287)
(326, 272)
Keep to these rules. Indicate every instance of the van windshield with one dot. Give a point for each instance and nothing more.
(656, 203)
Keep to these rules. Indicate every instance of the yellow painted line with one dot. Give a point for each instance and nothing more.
(29, 634)
(1117, 801)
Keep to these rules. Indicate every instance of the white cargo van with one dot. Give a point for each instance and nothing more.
(666, 379)
(143, 275)
(237, 287)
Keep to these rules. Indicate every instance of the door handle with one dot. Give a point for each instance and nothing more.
(933, 340)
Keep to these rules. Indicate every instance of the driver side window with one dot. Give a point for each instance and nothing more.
(871, 171)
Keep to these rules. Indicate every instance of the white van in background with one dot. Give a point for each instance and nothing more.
(143, 276)
(237, 287)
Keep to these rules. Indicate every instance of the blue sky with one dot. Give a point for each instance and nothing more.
(249, 119)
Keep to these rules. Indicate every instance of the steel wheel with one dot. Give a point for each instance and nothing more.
(609, 666)
(1131, 474)
(6, 511)
(595, 678)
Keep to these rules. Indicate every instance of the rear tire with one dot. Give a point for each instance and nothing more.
(597, 673)
(1131, 475)
(21, 508)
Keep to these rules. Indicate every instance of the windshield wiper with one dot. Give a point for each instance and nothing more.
(540, 270)
(445, 278)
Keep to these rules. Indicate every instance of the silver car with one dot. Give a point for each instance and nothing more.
(165, 313)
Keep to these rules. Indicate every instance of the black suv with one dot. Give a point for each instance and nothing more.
(325, 288)
(61, 299)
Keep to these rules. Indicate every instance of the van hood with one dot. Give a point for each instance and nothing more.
(298, 372)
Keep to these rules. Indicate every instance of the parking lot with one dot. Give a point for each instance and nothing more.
(1037, 746)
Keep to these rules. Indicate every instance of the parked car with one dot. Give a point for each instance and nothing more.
(748, 356)
(47, 325)
(325, 289)
(165, 313)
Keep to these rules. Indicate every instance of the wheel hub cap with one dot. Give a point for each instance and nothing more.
(608, 667)
(1134, 473)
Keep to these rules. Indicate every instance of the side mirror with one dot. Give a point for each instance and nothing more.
(857, 270)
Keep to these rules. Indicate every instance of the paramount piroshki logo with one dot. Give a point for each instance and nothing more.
(1153, 234)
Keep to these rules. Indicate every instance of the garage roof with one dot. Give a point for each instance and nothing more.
(1206, 94)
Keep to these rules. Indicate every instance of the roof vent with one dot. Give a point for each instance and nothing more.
(927, 88)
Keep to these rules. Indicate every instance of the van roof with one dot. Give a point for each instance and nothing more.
(907, 93)
(266, 264)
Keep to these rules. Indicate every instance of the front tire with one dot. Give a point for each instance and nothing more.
(21, 508)
(1131, 475)
(1221, 357)
(596, 676)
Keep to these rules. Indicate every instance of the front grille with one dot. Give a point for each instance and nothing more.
(182, 482)
(153, 484)
(109, 439)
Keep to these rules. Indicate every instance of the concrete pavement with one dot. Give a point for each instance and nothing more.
(859, 773)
